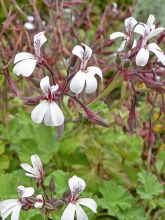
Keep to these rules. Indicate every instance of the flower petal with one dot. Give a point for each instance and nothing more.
(36, 162)
(91, 83)
(28, 168)
(25, 191)
(23, 56)
(130, 23)
(69, 212)
(78, 51)
(81, 215)
(90, 203)
(156, 32)
(29, 26)
(151, 20)
(39, 40)
(56, 114)
(157, 51)
(76, 184)
(116, 35)
(142, 29)
(54, 88)
(87, 52)
(94, 70)
(44, 84)
(16, 212)
(25, 67)
(142, 57)
(38, 112)
(7, 210)
(78, 82)
(48, 117)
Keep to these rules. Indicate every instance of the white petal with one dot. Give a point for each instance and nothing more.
(7, 206)
(76, 184)
(25, 191)
(30, 18)
(38, 205)
(87, 53)
(91, 83)
(36, 162)
(69, 212)
(157, 51)
(9, 209)
(78, 51)
(31, 175)
(40, 202)
(142, 57)
(151, 20)
(25, 67)
(29, 26)
(38, 112)
(116, 35)
(16, 212)
(95, 70)
(44, 84)
(130, 23)
(56, 114)
(48, 117)
(78, 82)
(122, 46)
(28, 168)
(7, 202)
(156, 32)
(23, 56)
(81, 215)
(39, 40)
(54, 88)
(142, 29)
(90, 203)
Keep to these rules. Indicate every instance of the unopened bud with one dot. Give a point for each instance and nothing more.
(66, 194)
(58, 204)
(125, 63)
(118, 59)
(52, 185)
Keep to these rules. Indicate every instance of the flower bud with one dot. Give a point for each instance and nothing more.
(66, 194)
(118, 59)
(52, 185)
(58, 204)
(125, 63)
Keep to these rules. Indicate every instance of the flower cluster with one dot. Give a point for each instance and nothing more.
(29, 200)
(83, 80)
(147, 32)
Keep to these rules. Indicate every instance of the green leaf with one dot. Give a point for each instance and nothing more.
(149, 186)
(119, 202)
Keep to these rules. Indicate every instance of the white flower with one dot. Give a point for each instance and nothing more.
(40, 202)
(142, 56)
(148, 31)
(48, 111)
(129, 25)
(77, 185)
(84, 78)
(13, 206)
(25, 63)
(36, 170)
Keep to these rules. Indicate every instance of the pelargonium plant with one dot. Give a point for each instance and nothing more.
(48, 205)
